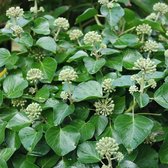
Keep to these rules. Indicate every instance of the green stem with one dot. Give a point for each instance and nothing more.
(152, 114)
(128, 30)
(97, 21)
(109, 162)
(157, 17)
(57, 33)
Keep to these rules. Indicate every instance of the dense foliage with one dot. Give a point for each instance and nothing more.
(85, 96)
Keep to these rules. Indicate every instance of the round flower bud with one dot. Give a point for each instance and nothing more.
(133, 89)
(107, 147)
(152, 16)
(119, 156)
(32, 90)
(103, 2)
(33, 111)
(92, 37)
(34, 75)
(64, 95)
(14, 12)
(145, 65)
(61, 22)
(151, 46)
(160, 7)
(143, 29)
(107, 85)
(104, 107)
(166, 53)
(17, 30)
(68, 74)
(152, 83)
(75, 34)
(41, 9)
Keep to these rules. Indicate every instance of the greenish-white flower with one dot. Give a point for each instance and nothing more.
(34, 75)
(64, 95)
(103, 2)
(152, 16)
(147, 66)
(133, 89)
(166, 53)
(144, 29)
(18, 102)
(67, 74)
(151, 46)
(152, 83)
(92, 38)
(17, 30)
(75, 34)
(119, 156)
(107, 147)
(161, 8)
(105, 166)
(62, 23)
(33, 111)
(14, 12)
(104, 107)
(107, 85)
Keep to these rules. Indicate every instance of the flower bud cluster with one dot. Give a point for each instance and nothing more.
(68, 74)
(33, 111)
(103, 2)
(144, 29)
(108, 148)
(35, 10)
(152, 16)
(14, 12)
(92, 38)
(34, 75)
(107, 85)
(18, 102)
(61, 23)
(64, 95)
(104, 107)
(160, 8)
(151, 46)
(75, 34)
(147, 66)
(17, 30)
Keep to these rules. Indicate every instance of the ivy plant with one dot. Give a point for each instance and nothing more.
(89, 95)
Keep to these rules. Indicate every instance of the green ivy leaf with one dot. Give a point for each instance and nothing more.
(132, 131)
(4, 56)
(14, 86)
(100, 122)
(87, 14)
(2, 131)
(87, 152)
(6, 153)
(87, 90)
(47, 43)
(78, 55)
(93, 65)
(62, 110)
(17, 122)
(41, 26)
(42, 94)
(3, 164)
(123, 81)
(130, 57)
(113, 15)
(161, 95)
(62, 140)
(26, 39)
(29, 137)
(142, 99)
(48, 67)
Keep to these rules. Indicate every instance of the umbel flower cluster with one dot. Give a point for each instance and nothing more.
(146, 67)
(75, 34)
(68, 74)
(61, 23)
(34, 75)
(104, 107)
(18, 103)
(107, 85)
(14, 12)
(109, 149)
(33, 111)
(92, 37)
